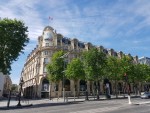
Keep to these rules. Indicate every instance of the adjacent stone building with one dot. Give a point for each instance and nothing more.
(144, 60)
(34, 71)
(5, 85)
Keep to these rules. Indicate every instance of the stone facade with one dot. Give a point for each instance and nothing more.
(5, 85)
(1, 84)
(34, 71)
(144, 60)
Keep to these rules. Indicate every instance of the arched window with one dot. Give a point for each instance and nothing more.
(45, 85)
(67, 85)
(82, 85)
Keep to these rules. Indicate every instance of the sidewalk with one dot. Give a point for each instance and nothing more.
(56, 101)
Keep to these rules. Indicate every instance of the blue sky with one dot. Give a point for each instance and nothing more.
(123, 25)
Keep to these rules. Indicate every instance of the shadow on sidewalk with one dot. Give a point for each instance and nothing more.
(39, 105)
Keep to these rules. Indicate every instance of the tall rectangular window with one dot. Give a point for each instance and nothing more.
(46, 60)
(44, 69)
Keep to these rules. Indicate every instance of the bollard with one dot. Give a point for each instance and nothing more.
(129, 99)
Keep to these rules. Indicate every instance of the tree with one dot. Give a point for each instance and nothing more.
(140, 74)
(126, 65)
(94, 64)
(126, 70)
(14, 88)
(113, 67)
(13, 39)
(75, 71)
(147, 73)
(56, 67)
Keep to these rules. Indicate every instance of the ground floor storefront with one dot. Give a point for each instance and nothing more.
(45, 89)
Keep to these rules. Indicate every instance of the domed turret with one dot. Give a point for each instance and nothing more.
(48, 28)
(48, 36)
(48, 33)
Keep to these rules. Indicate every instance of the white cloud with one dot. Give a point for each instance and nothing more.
(23, 10)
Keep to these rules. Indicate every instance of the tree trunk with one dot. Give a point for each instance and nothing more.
(97, 91)
(116, 89)
(50, 89)
(75, 83)
(86, 92)
(124, 88)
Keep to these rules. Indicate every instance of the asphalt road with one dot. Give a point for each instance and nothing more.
(103, 106)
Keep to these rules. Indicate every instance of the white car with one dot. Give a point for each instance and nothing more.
(145, 95)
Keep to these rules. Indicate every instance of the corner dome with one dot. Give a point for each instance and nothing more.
(48, 28)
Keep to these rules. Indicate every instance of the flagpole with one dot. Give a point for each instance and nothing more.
(50, 19)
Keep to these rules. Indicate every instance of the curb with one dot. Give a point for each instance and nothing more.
(141, 103)
(15, 107)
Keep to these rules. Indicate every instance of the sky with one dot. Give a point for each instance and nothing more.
(123, 25)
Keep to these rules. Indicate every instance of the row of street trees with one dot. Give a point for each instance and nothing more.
(95, 65)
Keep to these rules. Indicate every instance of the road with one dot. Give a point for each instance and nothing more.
(102, 106)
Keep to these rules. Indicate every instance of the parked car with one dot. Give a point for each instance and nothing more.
(145, 95)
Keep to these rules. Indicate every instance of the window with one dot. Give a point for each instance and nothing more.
(75, 45)
(46, 60)
(56, 87)
(46, 52)
(58, 41)
(44, 69)
(45, 87)
(46, 44)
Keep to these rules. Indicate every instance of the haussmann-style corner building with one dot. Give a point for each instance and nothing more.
(34, 71)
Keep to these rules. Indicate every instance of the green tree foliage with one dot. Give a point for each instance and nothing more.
(94, 64)
(126, 66)
(137, 74)
(55, 68)
(13, 39)
(75, 70)
(127, 70)
(140, 74)
(114, 70)
(113, 67)
(144, 75)
(14, 88)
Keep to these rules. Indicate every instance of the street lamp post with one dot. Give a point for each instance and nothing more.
(128, 88)
(64, 85)
(20, 90)
(63, 82)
